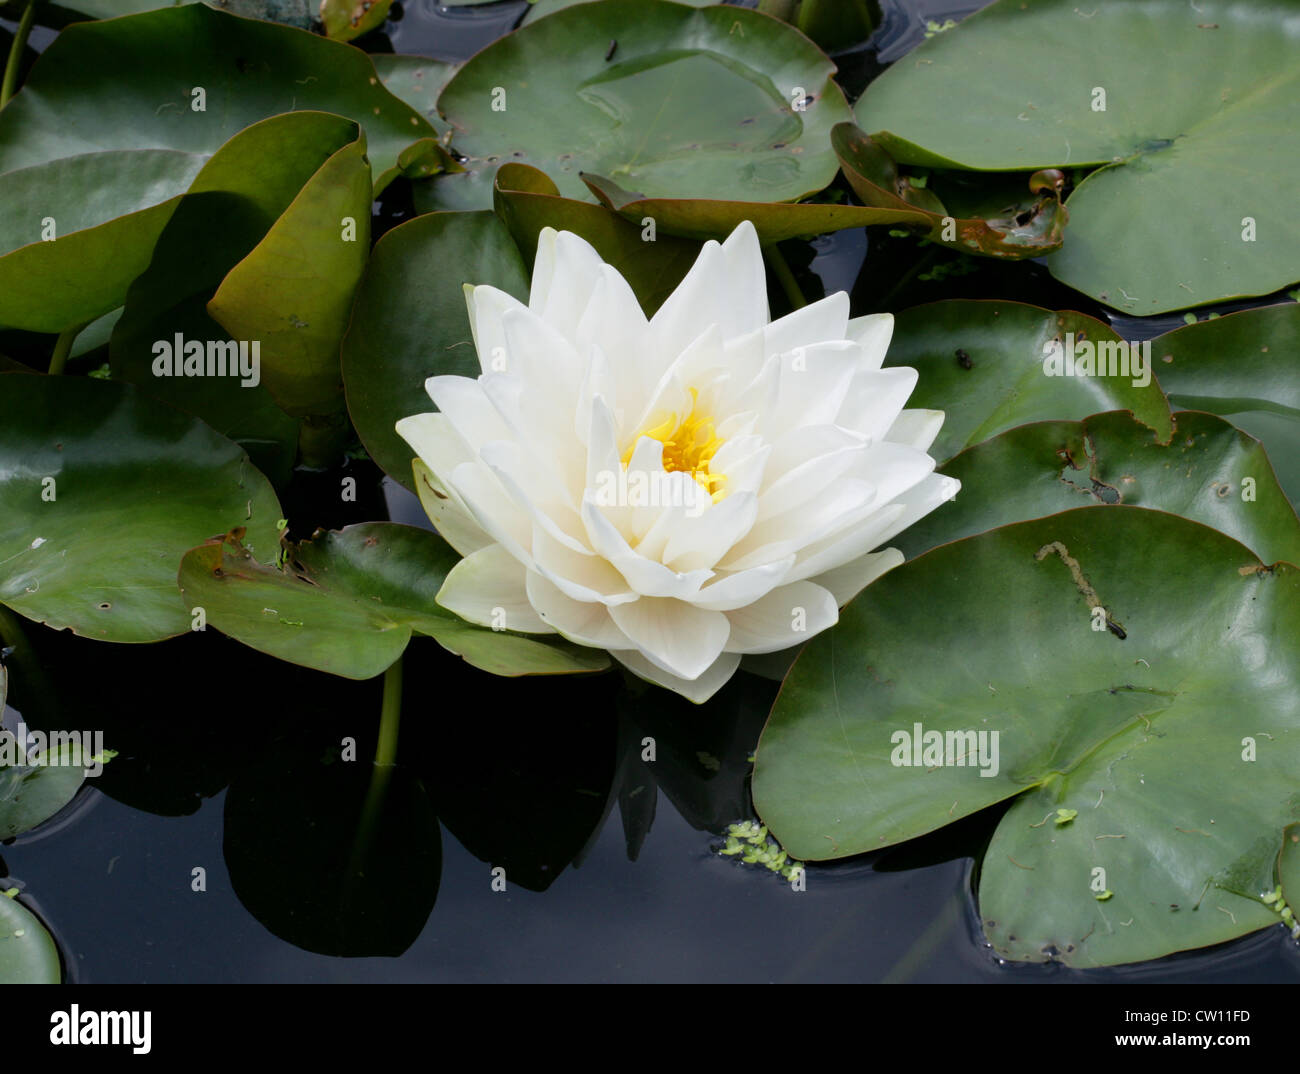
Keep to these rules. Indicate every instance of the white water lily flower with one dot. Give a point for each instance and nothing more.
(679, 491)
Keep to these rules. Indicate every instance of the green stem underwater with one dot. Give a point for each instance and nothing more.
(62, 348)
(15, 60)
(786, 278)
(390, 717)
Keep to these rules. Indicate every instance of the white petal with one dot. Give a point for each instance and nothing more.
(472, 414)
(584, 578)
(487, 307)
(447, 512)
(786, 616)
(681, 639)
(735, 589)
(489, 588)
(565, 274)
(492, 508)
(587, 623)
(874, 400)
(873, 332)
(820, 321)
(848, 581)
(644, 575)
(919, 501)
(698, 542)
(916, 428)
(697, 690)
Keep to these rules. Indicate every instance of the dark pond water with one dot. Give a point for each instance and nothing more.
(228, 763)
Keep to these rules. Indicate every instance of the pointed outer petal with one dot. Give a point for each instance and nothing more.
(919, 501)
(447, 512)
(819, 322)
(776, 538)
(647, 577)
(738, 588)
(561, 291)
(584, 622)
(698, 542)
(675, 636)
(852, 578)
(875, 399)
(492, 508)
(472, 414)
(815, 383)
(696, 303)
(746, 280)
(436, 444)
(873, 332)
(786, 616)
(488, 306)
(598, 380)
(892, 469)
(546, 505)
(807, 461)
(586, 578)
(916, 428)
(543, 269)
(871, 530)
(669, 394)
(696, 690)
(614, 320)
(550, 366)
(491, 581)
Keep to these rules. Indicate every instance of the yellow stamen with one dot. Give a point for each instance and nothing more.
(688, 447)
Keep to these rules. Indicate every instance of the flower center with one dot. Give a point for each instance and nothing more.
(689, 445)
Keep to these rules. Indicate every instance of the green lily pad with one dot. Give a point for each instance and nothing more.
(528, 201)
(293, 292)
(101, 492)
(1210, 472)
(32, 793)
(710, 218)
(419, 269)
(417, 80)
(126, 84)
(1023, 223)
(1243, 365)
(541, 8)
(350, 600)
(78, 230)
(1191, 95)
(345, 19)
(1192, 682)
(1001, 380)
(292, 12)
(238, 197)
(711, 102)
(27, 951)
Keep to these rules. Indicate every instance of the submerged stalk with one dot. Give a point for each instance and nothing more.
(10, 82)
(786, 278)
